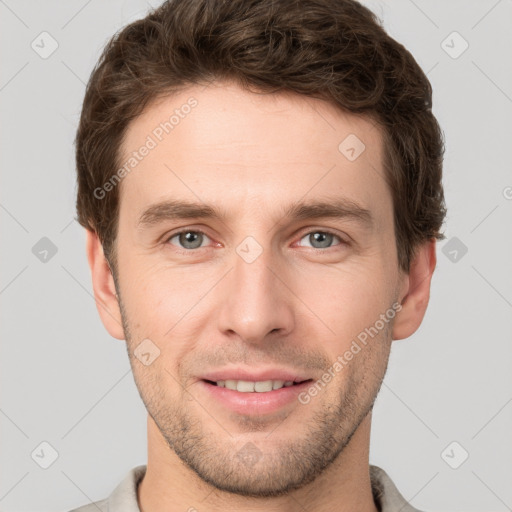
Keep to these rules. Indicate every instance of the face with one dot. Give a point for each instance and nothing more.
(256, 279)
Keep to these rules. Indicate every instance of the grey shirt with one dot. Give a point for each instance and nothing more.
(124, 496)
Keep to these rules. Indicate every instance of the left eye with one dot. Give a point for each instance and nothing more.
(320, 239)
(189, 239)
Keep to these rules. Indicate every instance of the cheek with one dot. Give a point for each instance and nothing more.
(345, 300)
(166, 308)
(156, 299)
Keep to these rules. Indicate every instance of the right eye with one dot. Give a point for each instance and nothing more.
(188, 239)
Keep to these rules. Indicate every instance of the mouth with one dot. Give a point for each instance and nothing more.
(264, 386)
(254, 398)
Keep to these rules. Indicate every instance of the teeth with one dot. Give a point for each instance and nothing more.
(246, 386)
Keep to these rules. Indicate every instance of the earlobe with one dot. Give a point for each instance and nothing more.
(416, 291)
(104, 287)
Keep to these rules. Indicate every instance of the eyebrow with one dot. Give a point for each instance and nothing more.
(339, 208)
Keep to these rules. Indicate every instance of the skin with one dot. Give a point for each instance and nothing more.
(252, 155)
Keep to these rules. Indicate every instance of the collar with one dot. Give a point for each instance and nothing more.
(385, 493)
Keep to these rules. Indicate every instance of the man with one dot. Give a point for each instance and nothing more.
(261, 187)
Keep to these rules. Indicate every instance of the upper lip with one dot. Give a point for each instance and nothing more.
(255, 375)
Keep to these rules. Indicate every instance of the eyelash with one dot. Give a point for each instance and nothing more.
(191, 251)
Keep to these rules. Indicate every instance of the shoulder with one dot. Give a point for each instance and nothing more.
(96, 506)
(385, 493)
(122, 499)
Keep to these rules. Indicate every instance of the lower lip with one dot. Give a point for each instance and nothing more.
(255, 403)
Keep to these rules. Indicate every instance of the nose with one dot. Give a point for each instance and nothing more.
(256, 300)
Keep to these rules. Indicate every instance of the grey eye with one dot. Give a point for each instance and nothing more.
(189, 239)
(320, 239)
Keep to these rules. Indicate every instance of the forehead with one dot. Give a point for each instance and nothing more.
(224, 145)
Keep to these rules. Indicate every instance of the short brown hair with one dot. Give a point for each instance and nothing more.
(335, 50)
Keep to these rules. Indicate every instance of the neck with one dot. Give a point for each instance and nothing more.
(171, 486)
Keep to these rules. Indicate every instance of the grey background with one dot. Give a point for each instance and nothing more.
(66, 382)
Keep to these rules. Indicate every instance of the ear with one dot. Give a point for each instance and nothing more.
(104, 287)
(415, 291)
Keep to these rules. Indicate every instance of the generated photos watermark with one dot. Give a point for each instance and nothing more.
(151, 142)
(348, 355)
